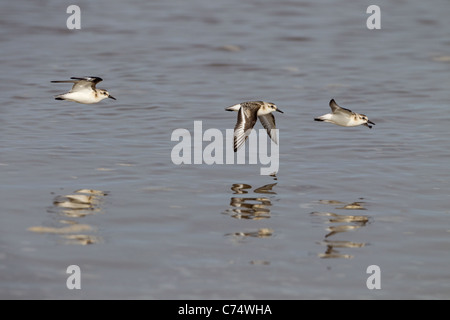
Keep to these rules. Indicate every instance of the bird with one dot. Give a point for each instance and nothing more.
(84, 91)
(344, 117)
(248, 112)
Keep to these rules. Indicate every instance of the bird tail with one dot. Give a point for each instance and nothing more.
(325, 117)
(236, 107)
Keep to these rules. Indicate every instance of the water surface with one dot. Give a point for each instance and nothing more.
(343, 199)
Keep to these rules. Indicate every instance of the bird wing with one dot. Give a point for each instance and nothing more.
(85, 83)
(245, 122)
(80, 84)
(63, 81)
(336, 108)
(268, 122)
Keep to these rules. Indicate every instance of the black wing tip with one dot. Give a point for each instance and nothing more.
(57, 98)
(333, 103)
(91, 78)
(317, 119)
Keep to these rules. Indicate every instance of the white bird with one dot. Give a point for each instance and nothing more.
(344, 117)
(84, 91)
(248, 114)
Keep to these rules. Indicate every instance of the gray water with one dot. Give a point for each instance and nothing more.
(224, 231)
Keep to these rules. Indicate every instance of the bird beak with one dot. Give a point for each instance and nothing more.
(279, 110)
(368, 121)
(110, 96)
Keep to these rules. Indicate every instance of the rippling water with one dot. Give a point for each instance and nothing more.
(343, 199)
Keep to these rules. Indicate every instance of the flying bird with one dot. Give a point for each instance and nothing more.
(344, 117)
(84, 90)
(248, 113)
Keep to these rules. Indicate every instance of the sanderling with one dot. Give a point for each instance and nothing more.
(84, 91)
(248, 112)
(344, 117)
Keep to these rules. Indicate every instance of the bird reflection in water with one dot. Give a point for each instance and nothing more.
(82, 203)
(240, 237)
(341, 223)
(253, 208)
